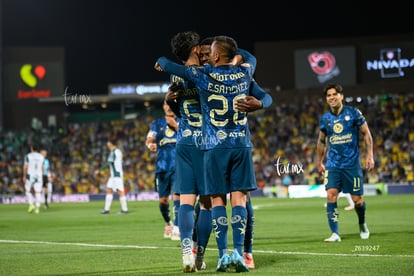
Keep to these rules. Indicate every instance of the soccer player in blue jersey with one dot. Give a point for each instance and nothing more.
(247, 105)
(189, 158)
(339, 139)
(161, 139)
(185, 47)
(226, 140)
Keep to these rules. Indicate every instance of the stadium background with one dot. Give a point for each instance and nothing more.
(80, 83)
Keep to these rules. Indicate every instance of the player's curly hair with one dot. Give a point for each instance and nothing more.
(182, 44)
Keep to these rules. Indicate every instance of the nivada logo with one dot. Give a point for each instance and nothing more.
(28, 77)
(31, 77)
(390, 63)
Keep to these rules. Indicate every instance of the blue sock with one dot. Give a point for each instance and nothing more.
(176, 210)
(196, 214)
(220, 226)
(204, 227)
(248, 239)
(238, 224)
(165, 212)
(360, 210)
(333, 215)
(186, 223)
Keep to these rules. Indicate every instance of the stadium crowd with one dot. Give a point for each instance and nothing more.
(284, 136)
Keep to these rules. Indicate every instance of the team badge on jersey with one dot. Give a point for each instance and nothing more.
(338, 128)
(169, 132)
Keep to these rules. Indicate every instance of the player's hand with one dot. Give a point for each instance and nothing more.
(157, 67)
(369, 164)
(237, 60)
(321, 169)
(171, 96)
(152, 147)
(248, 104)
(177, 88)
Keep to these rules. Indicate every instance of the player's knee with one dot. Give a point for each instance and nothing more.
(359, 201)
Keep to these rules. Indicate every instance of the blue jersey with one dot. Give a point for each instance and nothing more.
(342, 132)
(166, 138)
(219, 88)
(189, 129)
(46, 166)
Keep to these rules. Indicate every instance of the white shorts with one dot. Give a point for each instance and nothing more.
(116, 184)
(37, 186)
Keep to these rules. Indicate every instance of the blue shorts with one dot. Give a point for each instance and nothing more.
(189, 170)
(345, 180)
(229, 170)
(165, 183)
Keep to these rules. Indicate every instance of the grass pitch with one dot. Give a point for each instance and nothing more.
(74, 239)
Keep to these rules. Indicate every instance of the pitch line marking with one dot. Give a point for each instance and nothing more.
(175, 248)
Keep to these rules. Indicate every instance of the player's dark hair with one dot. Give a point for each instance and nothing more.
(207, 41)
(183, 43)
(226, 45)
(35, 147)
(338, 88)
(113, 140)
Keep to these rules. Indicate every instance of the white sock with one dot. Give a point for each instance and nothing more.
(29, 198)
(123, 203)
(108, 201)
(349, 198)
(38, 197)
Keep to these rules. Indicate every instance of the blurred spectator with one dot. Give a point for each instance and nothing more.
(285, 130)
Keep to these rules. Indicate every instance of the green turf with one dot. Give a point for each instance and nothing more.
(74, 239)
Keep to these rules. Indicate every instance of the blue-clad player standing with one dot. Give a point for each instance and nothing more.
(226, 141)
(161, 139)
(339, 139)
(189, 157)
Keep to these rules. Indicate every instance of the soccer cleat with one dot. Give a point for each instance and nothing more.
(200, 265)
(363, 231)
(175, 233)
(238, 262)
(189, 264)
(167, 231)
(224, 263)
(248, 259)
(333, 238)
(105, 212)
(31, 208)
(122, 212)
(349, 208)
(36, 211)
